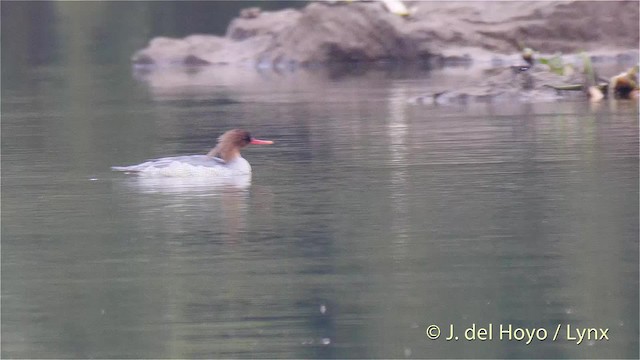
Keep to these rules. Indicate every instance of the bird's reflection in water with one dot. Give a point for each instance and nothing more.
(188, 208)
(191, 185)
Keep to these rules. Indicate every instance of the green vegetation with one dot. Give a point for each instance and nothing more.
(621, 86)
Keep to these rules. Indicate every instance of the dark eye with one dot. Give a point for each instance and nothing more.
(247, 138)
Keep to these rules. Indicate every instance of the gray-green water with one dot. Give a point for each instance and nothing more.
(368, 220)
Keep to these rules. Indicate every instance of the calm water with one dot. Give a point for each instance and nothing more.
(368, 220)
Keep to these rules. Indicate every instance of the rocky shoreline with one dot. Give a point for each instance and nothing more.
(435, 33)
(348, 37)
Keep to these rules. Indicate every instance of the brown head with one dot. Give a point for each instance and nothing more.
(230, 143)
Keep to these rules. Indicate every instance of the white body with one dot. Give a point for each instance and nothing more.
(189, 166)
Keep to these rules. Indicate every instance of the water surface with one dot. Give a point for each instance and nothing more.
(368, 220)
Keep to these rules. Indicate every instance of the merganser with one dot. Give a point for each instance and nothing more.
(222, 160)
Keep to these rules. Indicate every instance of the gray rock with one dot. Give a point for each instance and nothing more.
(435, 32)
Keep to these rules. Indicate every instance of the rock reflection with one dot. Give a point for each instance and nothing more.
(168, 83)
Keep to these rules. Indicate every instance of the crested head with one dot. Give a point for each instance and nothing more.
(236, 137)
(230, 143)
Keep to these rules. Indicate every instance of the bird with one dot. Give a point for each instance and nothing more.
(224, 160)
